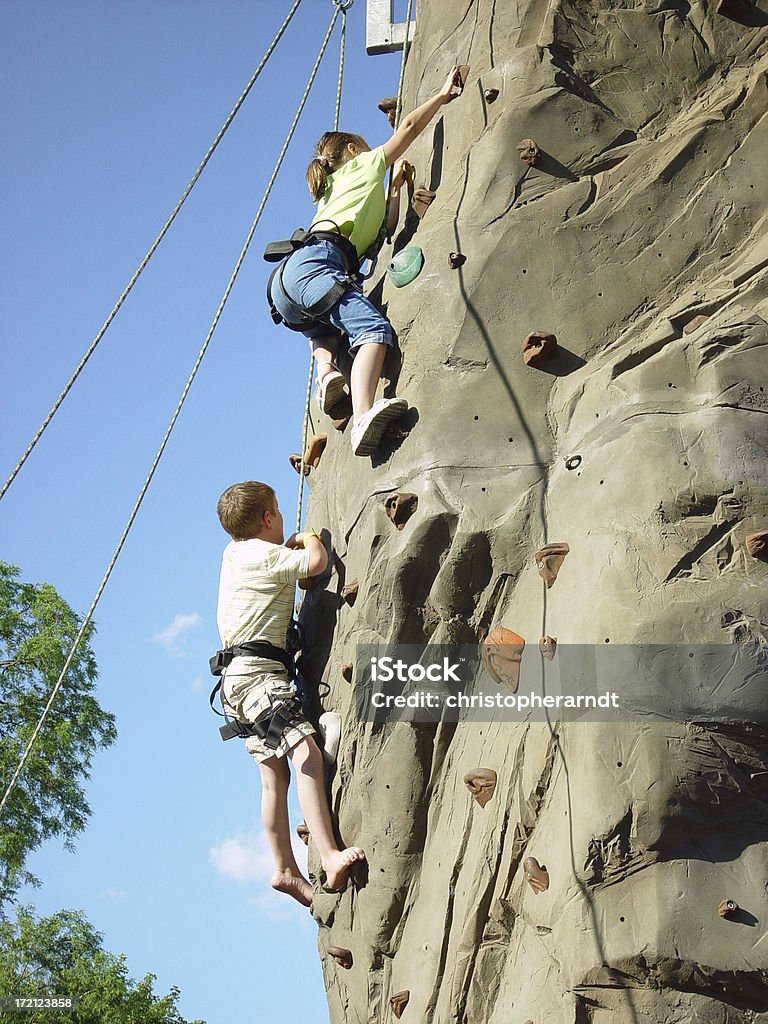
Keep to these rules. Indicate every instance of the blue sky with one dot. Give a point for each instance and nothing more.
(107, 109)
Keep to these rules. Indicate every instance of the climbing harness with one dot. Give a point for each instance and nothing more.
(103, 329)
(201, 354)
(282, 250)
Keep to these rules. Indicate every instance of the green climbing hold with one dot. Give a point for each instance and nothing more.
(405, 266)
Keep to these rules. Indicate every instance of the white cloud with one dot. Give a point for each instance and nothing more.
(173, 636)
(247, 858)
(113, 894)
(197, 684)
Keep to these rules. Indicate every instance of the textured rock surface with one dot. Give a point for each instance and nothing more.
(645, 211)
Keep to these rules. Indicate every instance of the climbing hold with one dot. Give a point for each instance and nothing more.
(529, 152)
(573, 462)
(349, 593)
(462, 73)
(388, 106)
(343, 957)
(538, 347)
(735, 9)
(329, 727)
(728, 908)
(693, 325)
(757, 545)
(547, 646)
(405, 266)
(491, 95)
(295, 461)
(398, 1002)
(303, 833)
(400, 508)
(481, 783)
(422, 198)
(548, 561)
(315, 448)
(536, 875)
(456, 260)
(502, 652)
(346, 671)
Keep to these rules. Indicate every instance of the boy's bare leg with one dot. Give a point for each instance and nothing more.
(310, 783)
(366, 373)
(325, 350)
(275, 778)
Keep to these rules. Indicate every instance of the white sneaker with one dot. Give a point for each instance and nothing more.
(330, 391)
(367, 431)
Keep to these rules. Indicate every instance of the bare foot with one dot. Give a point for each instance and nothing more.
(294, 885)
(338, 864)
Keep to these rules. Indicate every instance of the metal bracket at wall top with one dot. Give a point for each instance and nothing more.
(381, 34)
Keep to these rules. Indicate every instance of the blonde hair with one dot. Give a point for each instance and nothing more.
(329, 156)
(241, 507)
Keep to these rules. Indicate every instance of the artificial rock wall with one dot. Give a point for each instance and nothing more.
(639, 240)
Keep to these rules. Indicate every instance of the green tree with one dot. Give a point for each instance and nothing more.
(37, 628)
(62, 955)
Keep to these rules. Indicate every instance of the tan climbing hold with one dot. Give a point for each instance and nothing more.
(460, 79)
(398, 1002)
(491, 95)
(538, 347)
(349, 592)
(422, 199)
(347, 671)
(303, 833)
(481, 783)
(529, 152)
(343, 957)
(502, 652)
(695, 324)
(295, 461)
(536, 875)
(757, 545)
(400, 507)
(547, 646)
(548, 561)
(315, 448)
(456, 260)
(727, 908)
(388, 106)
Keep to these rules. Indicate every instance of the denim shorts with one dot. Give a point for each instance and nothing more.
(307, 276)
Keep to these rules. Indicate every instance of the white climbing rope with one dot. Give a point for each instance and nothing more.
(341, 6)
(134, 512)
(126, 291)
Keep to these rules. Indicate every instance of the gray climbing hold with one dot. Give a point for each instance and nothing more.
(405, 266)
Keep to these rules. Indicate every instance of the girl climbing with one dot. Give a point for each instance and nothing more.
(316, 290)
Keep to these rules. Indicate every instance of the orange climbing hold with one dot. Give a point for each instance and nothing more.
(502, 652)
(536, 875)
(398, 1002)
(343, 957)
(315, 448)
(529, 152)
(400, 507)
(303, 833)
(349, 592)
(695, 324)
(538, 347)
(548, 561)
(727, 908)
(481, 783)
(757, 545)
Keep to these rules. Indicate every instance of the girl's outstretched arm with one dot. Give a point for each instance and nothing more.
(413, 124)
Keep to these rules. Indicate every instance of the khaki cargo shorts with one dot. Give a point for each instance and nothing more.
(249, 688)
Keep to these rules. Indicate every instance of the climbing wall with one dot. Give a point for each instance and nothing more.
(586, 885)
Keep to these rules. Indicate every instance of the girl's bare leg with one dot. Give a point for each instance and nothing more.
(366, 373)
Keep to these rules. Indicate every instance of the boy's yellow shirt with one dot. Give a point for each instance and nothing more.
(354, 200)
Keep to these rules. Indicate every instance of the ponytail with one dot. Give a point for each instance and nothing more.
(329, 157)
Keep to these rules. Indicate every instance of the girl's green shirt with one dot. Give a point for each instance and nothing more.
(354, 202)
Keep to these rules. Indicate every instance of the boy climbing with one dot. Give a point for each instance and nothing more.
(346, 180)
(258, 576)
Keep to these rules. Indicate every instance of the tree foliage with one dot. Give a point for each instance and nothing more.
(62, 955)
(37, 629)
